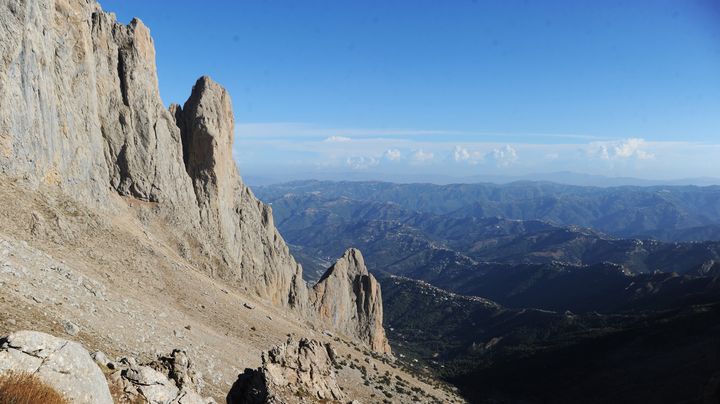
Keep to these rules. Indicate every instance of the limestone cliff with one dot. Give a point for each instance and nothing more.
(80, 111)
(348, 298)
(240, 225)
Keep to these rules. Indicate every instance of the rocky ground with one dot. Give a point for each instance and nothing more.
(109, 283)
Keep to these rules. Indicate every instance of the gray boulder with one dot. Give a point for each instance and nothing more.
(64, 365)
(70, 328)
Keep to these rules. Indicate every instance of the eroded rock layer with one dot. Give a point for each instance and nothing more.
(240, 226)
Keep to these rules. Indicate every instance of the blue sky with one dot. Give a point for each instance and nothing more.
(454, 88)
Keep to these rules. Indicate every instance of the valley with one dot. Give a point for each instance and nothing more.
(488, 303)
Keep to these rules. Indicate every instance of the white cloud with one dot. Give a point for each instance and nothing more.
(463, 154)
(421, 156)
(393, 154)
(625, 149)
(503, 156)
(632, 147)
(361, 162)
(337, 139)
(286, 148)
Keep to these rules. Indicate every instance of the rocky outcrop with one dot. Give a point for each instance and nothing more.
(348, 298)
(64, 365)
(294, 372)
(168, 379)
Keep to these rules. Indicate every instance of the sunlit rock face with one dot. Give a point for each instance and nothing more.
(348, 298)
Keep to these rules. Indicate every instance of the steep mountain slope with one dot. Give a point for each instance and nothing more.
(130, 221)
(80, 109)
(178, 163)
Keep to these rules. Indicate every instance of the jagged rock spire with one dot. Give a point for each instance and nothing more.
(348, 298)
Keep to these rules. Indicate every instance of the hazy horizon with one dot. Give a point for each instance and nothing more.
(261, 178)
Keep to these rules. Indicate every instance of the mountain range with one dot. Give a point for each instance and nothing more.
(263, 178)
(551, 276)
(669, 213)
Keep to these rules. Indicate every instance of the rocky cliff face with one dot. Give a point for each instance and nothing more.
(240, 226)
(80, 110)
(348, 298)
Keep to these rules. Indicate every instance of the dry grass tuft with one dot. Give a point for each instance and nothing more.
(25, 388)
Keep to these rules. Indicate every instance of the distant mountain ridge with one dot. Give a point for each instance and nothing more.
(668, 213)
(518, 263)
(427, 245)
(265, 178)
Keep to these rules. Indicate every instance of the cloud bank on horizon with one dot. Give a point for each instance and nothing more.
(292, 151)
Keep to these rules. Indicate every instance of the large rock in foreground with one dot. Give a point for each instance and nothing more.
(292, 372)
(348, 299)
(64, 365)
